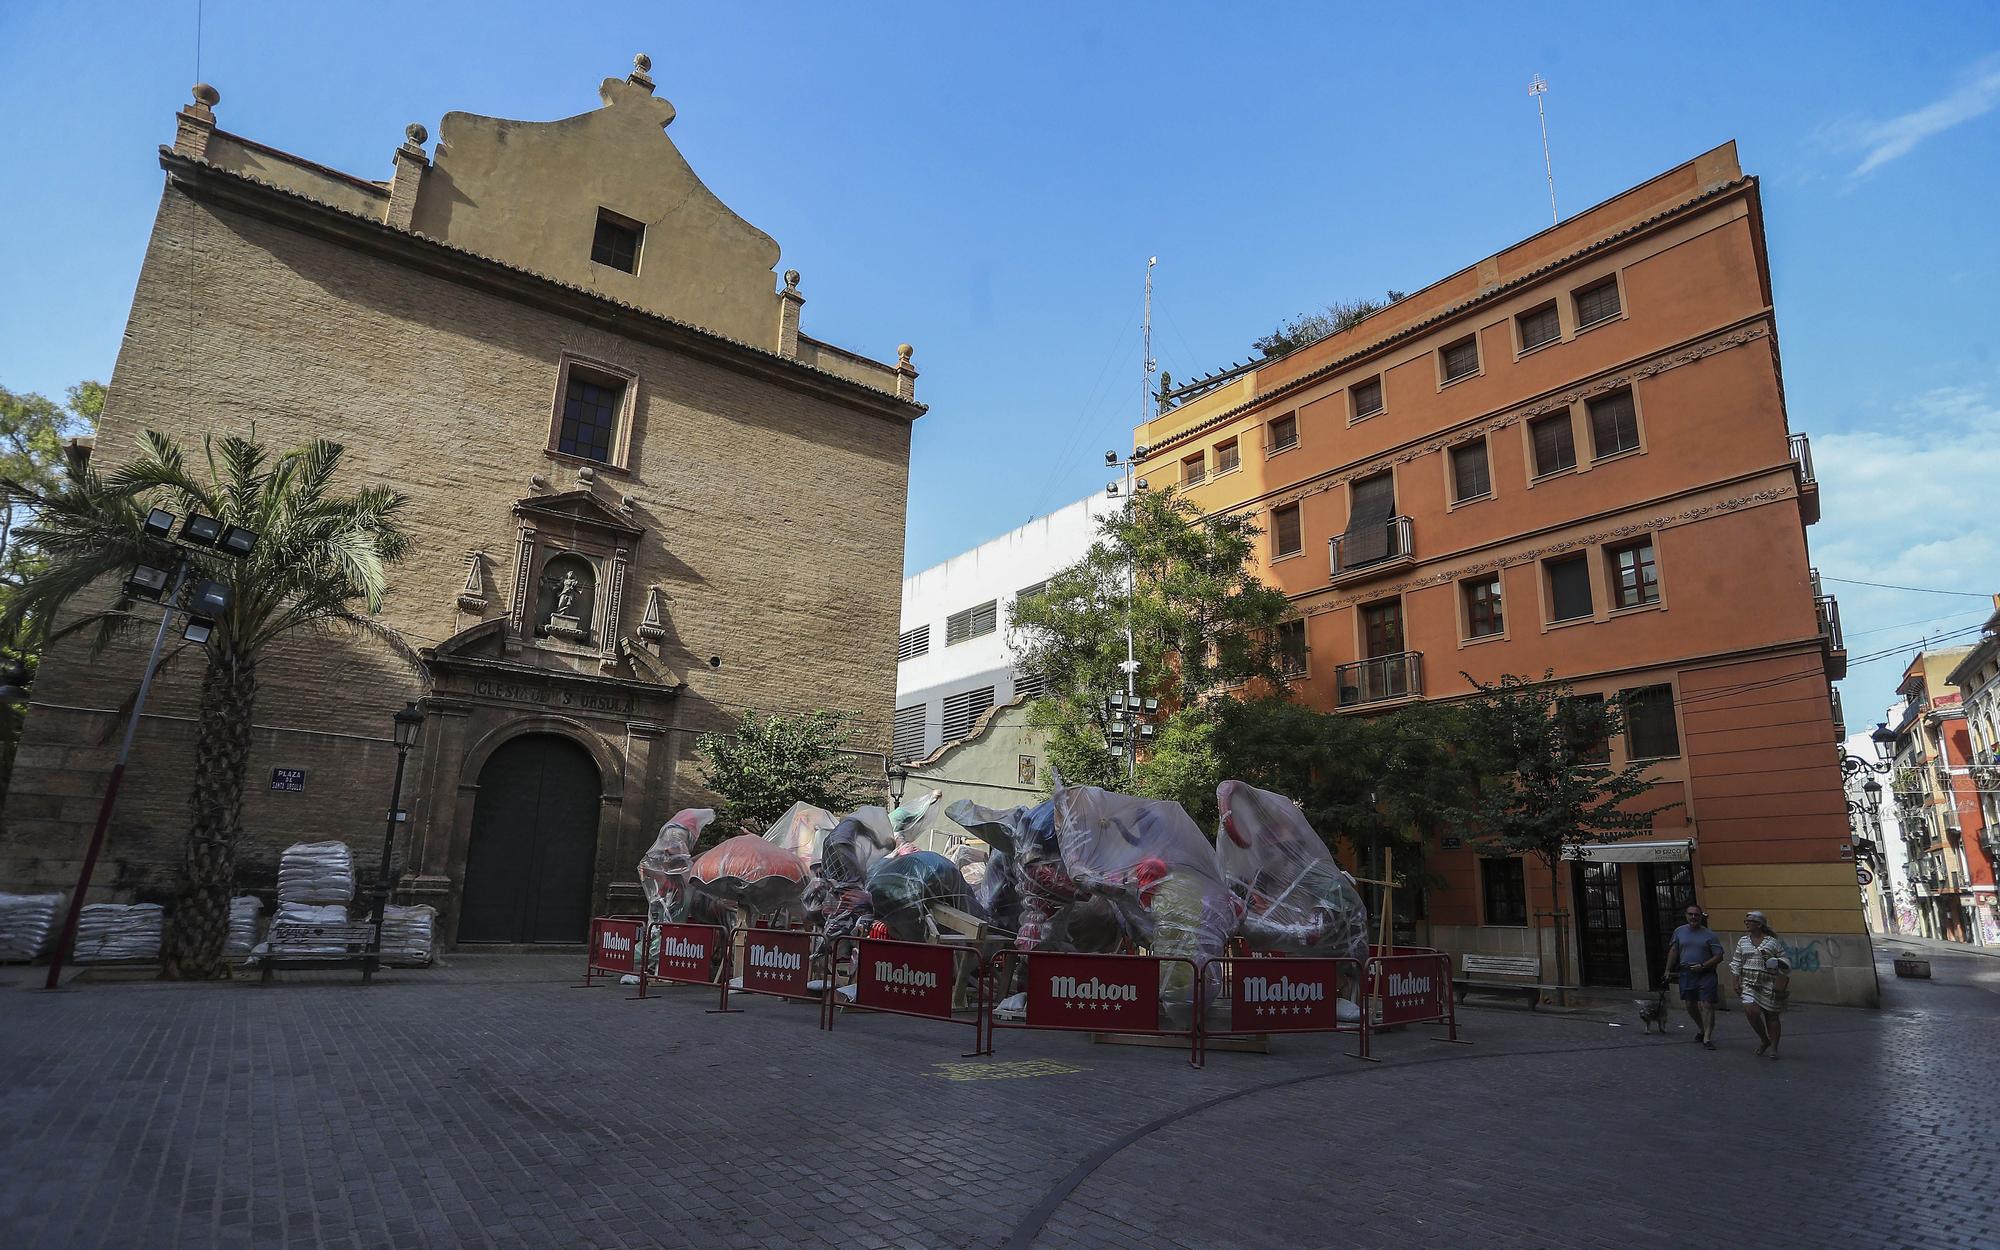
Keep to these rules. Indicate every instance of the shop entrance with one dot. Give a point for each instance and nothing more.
(1600, 911)
(534, 844)
(1666, 890)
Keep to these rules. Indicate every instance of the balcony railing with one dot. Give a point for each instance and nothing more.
(1801, 448)
(1828, 610)
(1373, 550)
(1380, 679)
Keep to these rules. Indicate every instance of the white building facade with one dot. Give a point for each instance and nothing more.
(953, 660)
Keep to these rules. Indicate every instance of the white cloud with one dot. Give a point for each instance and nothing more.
(1910, 502)
(1883, 141)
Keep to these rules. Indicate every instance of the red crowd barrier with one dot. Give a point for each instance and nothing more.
(1412, 989)
(614, 949)
(1094, 994)
(906, 979)
(685, 954)
(778, 962)
(1289, 994)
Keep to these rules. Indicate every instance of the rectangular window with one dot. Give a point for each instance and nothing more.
(1366, 398)
(1614, 424)
(1029, 685)
(908, 732)
(1483, 615)
(1471, 478)
(1285, 432)
(1588, 747)
(1569, 588)
(1539, 326)
(1555, 444)
(1029, 592)
(1382, 628)
(971, 623)
(1461, 359)
(1292, 648)
(963, 710)
(1369, 537)
(1503, 888)
(1597, 302)
(1285, 535)
(1635, 581)
(590, 416)
(1226, 456)
(616, 242)
(1649, 723)
(1194, 468)
(914, 642)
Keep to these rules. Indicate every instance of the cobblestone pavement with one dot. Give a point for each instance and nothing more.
(488, 1104)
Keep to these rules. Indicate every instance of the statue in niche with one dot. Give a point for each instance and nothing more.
(567, 586)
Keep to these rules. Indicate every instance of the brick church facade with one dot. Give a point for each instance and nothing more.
(643, 502)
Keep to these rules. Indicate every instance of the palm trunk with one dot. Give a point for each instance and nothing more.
(199, 928)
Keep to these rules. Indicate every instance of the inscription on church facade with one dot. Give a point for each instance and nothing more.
(608, 702)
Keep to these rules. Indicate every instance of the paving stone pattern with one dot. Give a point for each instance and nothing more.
(488, 1104)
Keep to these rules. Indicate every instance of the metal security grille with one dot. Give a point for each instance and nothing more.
(908, 732)
(912, 643)
(971, 623)
(963, 710)
(1598, 302)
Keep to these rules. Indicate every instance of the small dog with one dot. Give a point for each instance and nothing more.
(1652, 1011)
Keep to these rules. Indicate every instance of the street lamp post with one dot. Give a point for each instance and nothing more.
(898, 777)
(409, 727)
(164, 586)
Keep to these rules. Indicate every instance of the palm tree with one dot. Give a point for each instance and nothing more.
(318, 568)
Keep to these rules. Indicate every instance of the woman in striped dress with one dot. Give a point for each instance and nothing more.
(1763, 975)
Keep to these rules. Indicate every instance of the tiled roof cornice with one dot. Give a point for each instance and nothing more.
(1452, 312)
(205, 180)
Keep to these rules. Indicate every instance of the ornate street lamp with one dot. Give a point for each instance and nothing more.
(409, 727)
(898, 776)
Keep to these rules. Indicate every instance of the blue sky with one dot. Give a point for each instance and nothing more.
(987, 184)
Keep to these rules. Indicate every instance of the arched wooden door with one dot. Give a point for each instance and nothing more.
(534, 844)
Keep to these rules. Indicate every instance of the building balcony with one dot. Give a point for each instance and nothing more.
(1828, 610)
(1364, 553)
(1802, 465)
(1383, 679)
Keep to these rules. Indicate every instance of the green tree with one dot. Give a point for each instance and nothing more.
(767, 763)
(1532, 746)
(1311, 327)
(319, 567)
(33, 430)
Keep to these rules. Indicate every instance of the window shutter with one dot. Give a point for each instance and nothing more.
(985, 617)
(1461, 359)
(1367, 537)
(1029, 685)
(1285, 536)
(1469, 473)
(1597, 302)
(1284, 432)
(1367, 397)
(1555, 445)
(913, 643)
(1227, 456)
(1614, 424)
(962, 710)
(1539, 327)
(908, 732)
(971, 623)
(1569, 588)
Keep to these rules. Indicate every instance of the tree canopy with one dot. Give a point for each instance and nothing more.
(1311, 327)
(769, 762)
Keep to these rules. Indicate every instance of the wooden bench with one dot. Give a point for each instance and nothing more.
(344, 944)
(1479, 967)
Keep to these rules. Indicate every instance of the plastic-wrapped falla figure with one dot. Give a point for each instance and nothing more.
(902, 888)
(837, 899)
(663, 870)
(1295, 898)
(914, 824)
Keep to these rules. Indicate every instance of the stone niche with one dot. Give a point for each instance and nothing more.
(569, 576)
(566, 599)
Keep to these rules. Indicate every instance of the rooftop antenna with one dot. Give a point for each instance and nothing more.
(1146, 398)
(1539, 87)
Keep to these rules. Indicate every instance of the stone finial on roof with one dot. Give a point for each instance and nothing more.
(416, 135)
(642, 72)
(196, 122)
(906, 373)
(206, 96)
(789, 303)
(903, 353)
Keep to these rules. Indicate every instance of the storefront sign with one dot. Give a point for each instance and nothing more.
(1093, 992)
(686, 951)
(904, 976)
(614, 945)
(776, 963)
(607, 701)
(289, 779)
(1289, 994)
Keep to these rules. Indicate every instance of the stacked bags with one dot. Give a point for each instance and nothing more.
(406, 935)
(119, 932)
(243, 912)
(316, 872)
(27, 925)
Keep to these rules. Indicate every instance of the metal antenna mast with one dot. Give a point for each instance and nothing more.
(1538, 88)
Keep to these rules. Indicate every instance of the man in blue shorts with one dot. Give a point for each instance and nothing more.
(1693, 954)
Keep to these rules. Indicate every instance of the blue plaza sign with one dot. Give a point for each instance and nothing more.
(292, 779)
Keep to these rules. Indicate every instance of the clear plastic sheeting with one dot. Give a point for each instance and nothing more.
(902, 888)
(838, 897)
(749, 872)
(1294, 897)
(119, 933)
(664, 868)
(1026, 888)
(801, 829)
(316, 872)
(27, 925)
(915, 824)
(1151, 861)
(244, 910)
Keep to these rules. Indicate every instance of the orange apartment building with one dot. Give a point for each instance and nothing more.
(1949, 848)
(1572, 456)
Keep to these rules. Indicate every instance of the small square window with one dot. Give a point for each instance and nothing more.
(1614, 424)
(1226, 457)
(1194, 468)
(1285, 432)
(1483, 615)
(1539, 326)
(1503, 888)
(1597, 302)
(1470, 475)
(1285, 535)
(1635, 581)
(1461, 359)
(1554, 444)
(1366, 398)
(1569, 588)
(589, 426)
(617, 241)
